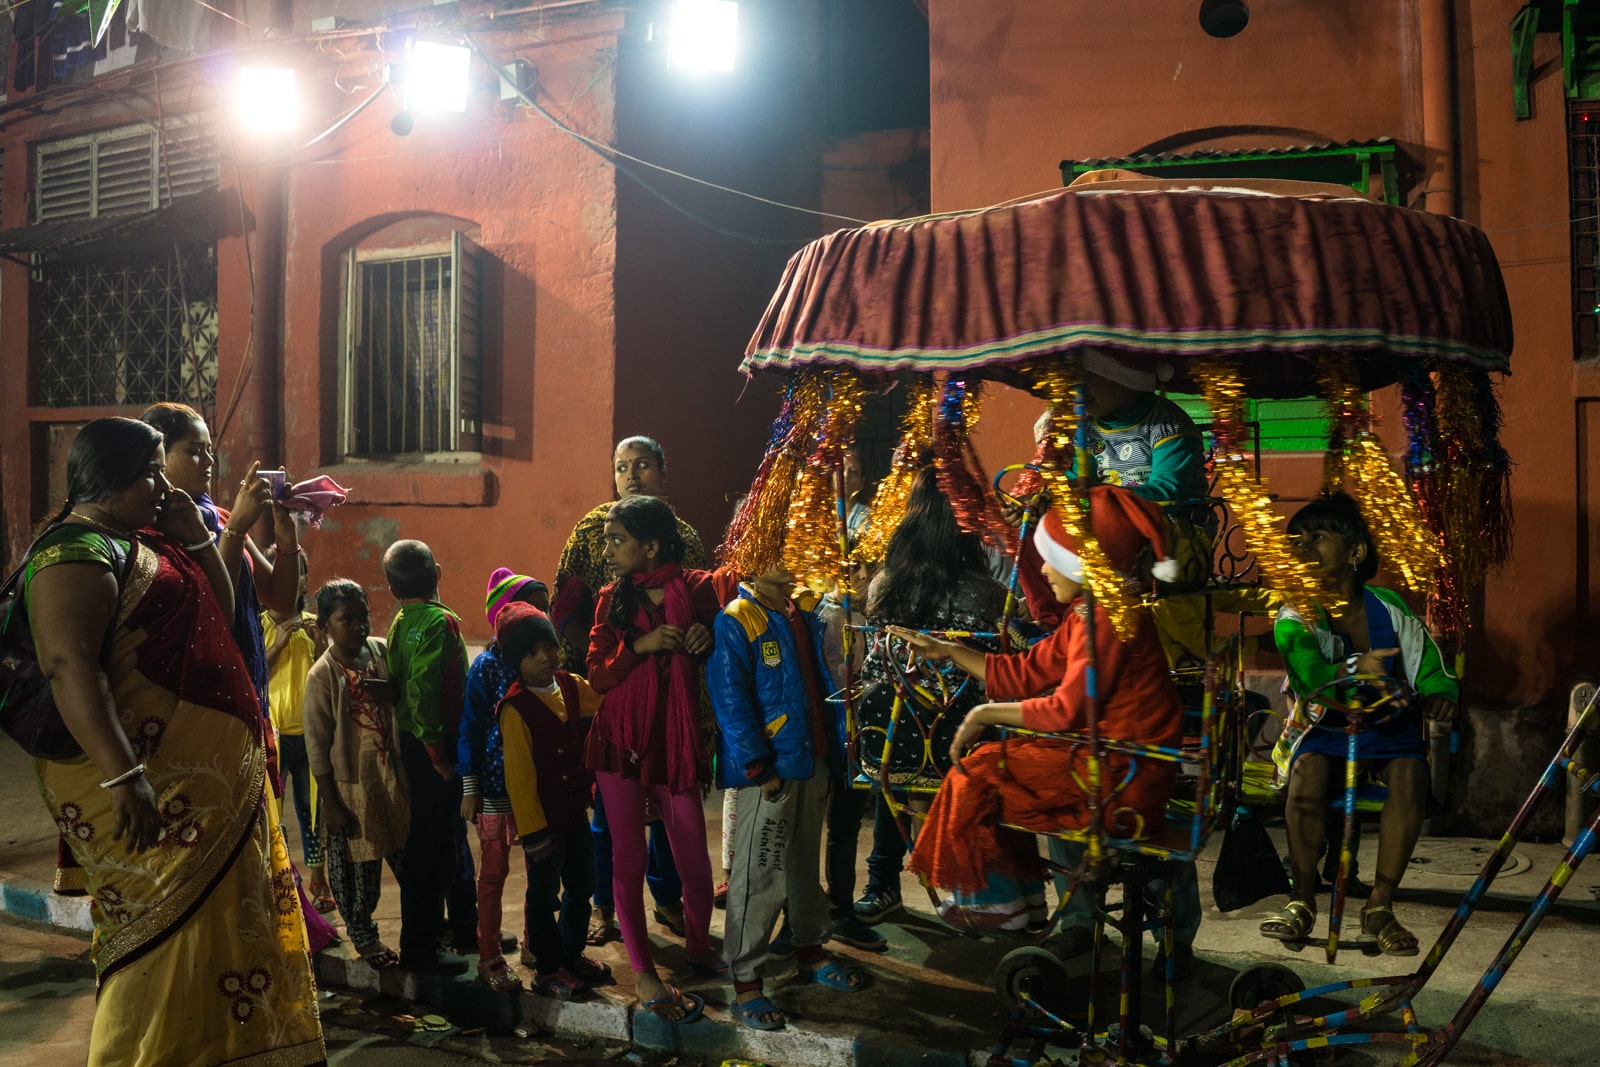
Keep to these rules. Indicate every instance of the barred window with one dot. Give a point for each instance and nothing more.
(130, 329)
(409, 379)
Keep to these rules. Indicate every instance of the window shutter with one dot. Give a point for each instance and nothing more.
(66, 182)
(467, 299)
(124, 170)
(123, 166)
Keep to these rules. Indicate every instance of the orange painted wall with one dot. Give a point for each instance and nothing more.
(543, 209)
(1019, 85)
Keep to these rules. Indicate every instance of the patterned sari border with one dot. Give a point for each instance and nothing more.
(305, 1054)
(141, 573)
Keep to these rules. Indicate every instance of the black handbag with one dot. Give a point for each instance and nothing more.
(1248, 868)
(28, 709)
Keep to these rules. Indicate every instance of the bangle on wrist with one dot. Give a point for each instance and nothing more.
(199, 546)
(229, 531)
(136, 771)
(1350, 663)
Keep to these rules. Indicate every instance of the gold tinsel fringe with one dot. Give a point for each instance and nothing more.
(1058, 382)
(1281, 570)
(1406, 545)
(811, 546)
(755, 542)
(889, 502)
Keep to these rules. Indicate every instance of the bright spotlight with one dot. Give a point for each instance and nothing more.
(703, 34)
(437, 80)
(266, 100)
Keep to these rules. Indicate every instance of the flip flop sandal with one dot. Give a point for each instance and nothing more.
(1392, 937)
(593, 972)
(836, 975)
(693, 1006)
(379, 956)
(750, 1013)
(322, 900)
(1293, 923)
(673, 920)
(563, 985)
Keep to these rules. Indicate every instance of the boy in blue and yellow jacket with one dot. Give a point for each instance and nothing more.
(769, 684)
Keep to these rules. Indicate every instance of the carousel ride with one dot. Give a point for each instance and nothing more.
(1244, 290)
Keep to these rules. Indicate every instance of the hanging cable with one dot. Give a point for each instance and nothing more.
(611, 154)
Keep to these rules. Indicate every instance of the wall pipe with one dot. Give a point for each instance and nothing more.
(1441, 139)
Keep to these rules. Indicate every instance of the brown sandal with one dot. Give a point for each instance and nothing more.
(603, 927)
(1293, 923)
(378, 956)
(1393, 939)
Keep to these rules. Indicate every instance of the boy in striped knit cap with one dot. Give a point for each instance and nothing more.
(481, 765)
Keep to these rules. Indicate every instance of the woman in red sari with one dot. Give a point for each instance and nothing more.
(199, 947)
(994, 874)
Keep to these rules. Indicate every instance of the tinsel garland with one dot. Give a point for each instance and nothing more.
(755, 539)
(1281, 569)
(959, 471)
(894, 490)
(1407, 544)
(1471, 488)
(1057, 382)
(811, 546)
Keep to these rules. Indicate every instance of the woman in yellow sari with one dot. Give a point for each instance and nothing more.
(199, 947)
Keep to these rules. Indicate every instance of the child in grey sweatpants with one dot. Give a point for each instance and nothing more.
(768, 684)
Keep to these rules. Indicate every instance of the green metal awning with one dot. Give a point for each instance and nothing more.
(1351, 163)
(187, 219)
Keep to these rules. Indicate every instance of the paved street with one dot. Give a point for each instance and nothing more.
(47, 1006)
(932, 992)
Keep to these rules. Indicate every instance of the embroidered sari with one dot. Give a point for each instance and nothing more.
(199, 946)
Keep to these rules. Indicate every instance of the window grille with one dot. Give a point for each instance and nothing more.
(1583, 155)
(410, 377)
(123, 170)
(129, 330)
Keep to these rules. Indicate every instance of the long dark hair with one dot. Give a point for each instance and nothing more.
(928, 556)
(175, 421)
(107, 455)
(1339, 513)
(646, 518)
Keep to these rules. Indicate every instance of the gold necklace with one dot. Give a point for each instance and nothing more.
(104, 527)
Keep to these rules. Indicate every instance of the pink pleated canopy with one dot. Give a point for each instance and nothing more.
(1270, 274)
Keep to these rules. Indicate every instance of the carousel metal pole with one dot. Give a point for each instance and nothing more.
(1081, 485)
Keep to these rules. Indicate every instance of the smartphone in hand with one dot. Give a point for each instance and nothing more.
(278, 480)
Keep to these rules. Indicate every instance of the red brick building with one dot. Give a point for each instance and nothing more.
(1485, 99)
(456, 315)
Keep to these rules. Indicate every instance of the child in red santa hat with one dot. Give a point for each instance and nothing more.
(994, 875)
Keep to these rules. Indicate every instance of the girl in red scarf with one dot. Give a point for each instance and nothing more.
(652, 630)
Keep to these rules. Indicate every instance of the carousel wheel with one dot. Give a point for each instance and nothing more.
(1260, 983)
(1034, 971)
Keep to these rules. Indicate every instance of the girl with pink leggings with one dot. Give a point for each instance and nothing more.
(652, 630)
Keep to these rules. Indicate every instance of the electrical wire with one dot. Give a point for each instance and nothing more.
(612, 154)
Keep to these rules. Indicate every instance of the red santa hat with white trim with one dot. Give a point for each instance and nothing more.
(1123, 523)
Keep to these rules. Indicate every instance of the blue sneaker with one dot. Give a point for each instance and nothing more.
(877, 904)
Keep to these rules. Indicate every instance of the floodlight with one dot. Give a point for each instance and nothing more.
(265, 99)
(437, 80)
(703, 34)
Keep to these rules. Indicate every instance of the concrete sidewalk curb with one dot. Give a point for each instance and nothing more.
(717, 1037)
(38, 902)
